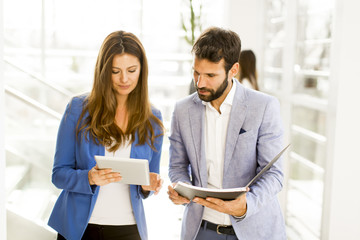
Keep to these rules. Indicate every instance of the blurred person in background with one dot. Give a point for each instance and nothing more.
(114, 119)
(247, 74)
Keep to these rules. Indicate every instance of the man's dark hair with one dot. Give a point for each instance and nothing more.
(215, 44)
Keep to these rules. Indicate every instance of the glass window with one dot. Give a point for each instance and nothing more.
(308, 56)
(274, 45)
(304, 206)
(308, 148)
(310, 119)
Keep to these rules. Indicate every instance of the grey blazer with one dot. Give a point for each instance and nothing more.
(254, 137)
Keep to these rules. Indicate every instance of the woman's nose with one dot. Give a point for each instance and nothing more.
(123, 78)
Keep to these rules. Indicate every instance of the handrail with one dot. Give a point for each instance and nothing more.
(54, 86)
(31, 102)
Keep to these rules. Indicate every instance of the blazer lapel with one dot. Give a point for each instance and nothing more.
(196, 117)
(237, 117)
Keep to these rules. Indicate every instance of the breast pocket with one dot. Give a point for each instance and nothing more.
(247, 139)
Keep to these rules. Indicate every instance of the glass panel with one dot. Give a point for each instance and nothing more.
(276, 34)
(272, 81)
(312, 61)
(274, 43)
(303, 215)
(36, 89)
(71, 46)
(314, 56)
(273, 57)
(309, 149)
(315, 26)
(309, 119)
(22, 31)
(310, 84)
(276, 8)
(312, 69)
(30, 145)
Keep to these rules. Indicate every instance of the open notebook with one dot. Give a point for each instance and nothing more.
(190, 191)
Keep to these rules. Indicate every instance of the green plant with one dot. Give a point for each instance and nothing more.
(195, 24)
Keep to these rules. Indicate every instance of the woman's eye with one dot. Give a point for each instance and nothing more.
(132, 70)
(115, 72)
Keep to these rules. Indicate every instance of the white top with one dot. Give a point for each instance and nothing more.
(113, 205)
(246, 83)
(216, 125)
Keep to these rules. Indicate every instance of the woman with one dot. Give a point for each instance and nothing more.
(115, 119)
(247, 74)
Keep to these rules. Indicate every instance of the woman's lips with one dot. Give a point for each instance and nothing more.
(124, 86)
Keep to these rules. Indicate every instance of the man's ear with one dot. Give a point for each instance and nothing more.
(234, 70)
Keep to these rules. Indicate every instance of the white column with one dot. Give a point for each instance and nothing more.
(2, 130)
(341, 213)
(245, 17)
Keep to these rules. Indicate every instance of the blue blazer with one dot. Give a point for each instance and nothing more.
(254, 137)
(73, 160)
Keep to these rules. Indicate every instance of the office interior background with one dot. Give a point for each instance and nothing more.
(308, 55)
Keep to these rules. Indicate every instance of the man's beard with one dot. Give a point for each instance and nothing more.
(213, 94)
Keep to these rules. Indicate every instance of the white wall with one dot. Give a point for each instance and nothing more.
(342, 219)
(245, 17)
(2, 130)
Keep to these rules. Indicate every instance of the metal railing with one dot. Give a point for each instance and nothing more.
(38, 78)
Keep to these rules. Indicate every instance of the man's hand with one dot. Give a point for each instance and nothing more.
(175, 197)
(155, 183)
(102, 177)
(235, 207)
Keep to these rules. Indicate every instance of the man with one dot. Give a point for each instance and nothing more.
(221, 137)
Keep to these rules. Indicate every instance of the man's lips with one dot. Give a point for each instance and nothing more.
(203, 91)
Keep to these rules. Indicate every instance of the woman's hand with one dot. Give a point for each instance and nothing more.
(155, 183)
(102, 177)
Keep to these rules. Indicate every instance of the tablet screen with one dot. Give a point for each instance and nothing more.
(133, 171)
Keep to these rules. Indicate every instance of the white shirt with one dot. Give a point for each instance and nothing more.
(113, 204)
(216, 125)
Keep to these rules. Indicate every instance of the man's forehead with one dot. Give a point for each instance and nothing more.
(204, 64)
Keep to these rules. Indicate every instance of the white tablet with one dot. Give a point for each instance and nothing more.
(133, 171)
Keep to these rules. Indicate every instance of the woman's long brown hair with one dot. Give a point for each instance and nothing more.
(248, 67)
(101, 103)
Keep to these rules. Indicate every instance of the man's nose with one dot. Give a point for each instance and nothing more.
(200, 81)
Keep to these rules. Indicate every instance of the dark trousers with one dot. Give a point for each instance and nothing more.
(106, 232)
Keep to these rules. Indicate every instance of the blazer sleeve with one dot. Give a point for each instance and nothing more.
(179, 161)
(269, 144)
(66, 174)
(154, 160)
